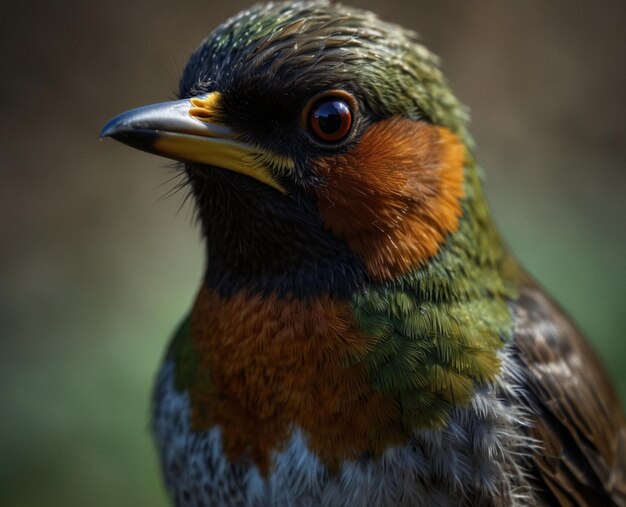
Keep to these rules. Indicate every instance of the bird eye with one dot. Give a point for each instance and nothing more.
(330, 119)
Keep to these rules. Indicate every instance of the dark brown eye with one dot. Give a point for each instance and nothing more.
(330, 119)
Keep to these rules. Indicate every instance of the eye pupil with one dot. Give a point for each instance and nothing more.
(330, 120)
(329, 116)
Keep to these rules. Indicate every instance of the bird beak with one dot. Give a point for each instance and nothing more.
(189, 130)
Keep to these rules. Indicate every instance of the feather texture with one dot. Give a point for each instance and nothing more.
(577, 419)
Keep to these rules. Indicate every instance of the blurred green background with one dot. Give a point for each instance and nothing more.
(96, 269)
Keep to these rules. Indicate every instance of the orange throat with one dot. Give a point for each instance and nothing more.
(274, 365)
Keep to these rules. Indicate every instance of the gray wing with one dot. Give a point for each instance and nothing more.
(577, 415)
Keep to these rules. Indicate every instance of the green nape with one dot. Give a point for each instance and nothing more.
(439, 328)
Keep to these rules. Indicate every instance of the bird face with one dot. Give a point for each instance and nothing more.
(314, 138)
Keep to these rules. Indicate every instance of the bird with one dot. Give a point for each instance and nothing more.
(361, 335)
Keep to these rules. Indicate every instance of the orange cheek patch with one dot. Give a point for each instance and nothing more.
(396, 196)
(275, 364)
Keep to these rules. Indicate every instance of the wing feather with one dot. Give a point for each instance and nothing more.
(578, 420)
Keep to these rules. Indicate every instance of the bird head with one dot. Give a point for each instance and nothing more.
(322, 145)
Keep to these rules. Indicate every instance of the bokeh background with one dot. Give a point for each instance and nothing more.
(96, 267)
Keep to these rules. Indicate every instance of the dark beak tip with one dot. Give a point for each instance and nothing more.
(110, 128)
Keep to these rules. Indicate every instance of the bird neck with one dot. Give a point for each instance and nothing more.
(439, 329)
(357, 373)
(474, 263)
